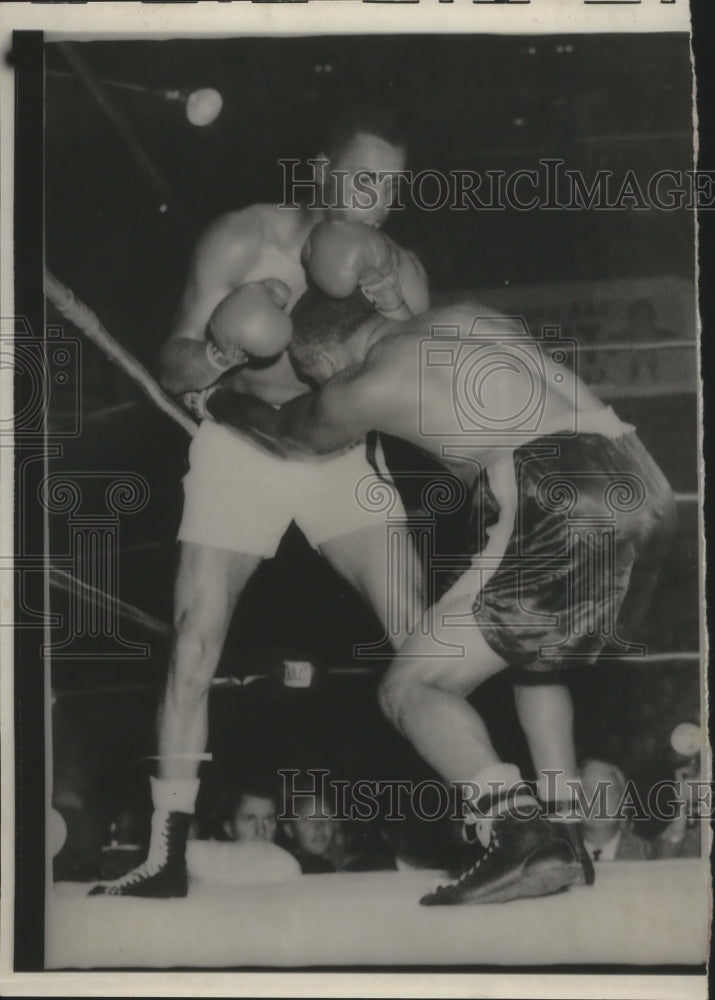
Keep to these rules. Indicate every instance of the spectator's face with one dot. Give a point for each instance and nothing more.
(313, 833)
(358, 184)
(255, 819)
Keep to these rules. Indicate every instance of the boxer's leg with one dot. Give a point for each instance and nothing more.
(234, 516)
(425, 697)
(235, 512)
(208, 585)
(545, 712)
(362, 532)
(390, 582)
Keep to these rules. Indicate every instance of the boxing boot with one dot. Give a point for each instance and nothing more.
(163, 875)
(572, 833)
(524, 857)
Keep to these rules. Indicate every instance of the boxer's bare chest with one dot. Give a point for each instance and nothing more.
(282, 235)
(278, 257)
(278, 262)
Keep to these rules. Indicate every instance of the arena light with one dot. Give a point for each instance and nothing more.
(686, 739)
(202, 106)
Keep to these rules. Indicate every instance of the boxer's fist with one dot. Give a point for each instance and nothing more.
(252, 321)
(342, 256)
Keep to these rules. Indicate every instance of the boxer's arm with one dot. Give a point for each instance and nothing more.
(223, 254)
(338, 415)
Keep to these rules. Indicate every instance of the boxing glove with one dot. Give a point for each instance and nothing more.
(252, 321)
(343, 256)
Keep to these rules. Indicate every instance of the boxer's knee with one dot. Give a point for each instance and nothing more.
(398, 692)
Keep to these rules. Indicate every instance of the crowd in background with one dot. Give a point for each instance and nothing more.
(249, 831)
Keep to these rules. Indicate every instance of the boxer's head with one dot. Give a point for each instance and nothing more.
(358, 154)
(328, 333)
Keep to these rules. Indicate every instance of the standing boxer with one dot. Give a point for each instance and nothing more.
(576, 513)
(245, 277)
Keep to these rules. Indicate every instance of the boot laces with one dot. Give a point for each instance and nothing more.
(138, 874)
(156, 859)
(466, 875)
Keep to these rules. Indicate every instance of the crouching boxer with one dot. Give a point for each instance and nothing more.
(570, 518)
(234, 323)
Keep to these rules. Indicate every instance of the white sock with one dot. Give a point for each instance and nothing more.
(174, 794)
(556, 789)
(496, 779)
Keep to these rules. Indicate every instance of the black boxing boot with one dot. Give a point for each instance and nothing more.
(163, 875)
(524, 857)
(571, 831)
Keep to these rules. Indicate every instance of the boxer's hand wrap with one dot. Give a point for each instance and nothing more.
(250, 322)
(343, 256)
(195, 402)
(386, 292)
(217, 359)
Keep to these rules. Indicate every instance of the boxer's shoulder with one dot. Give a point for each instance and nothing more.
(232, 235)
(277, 224)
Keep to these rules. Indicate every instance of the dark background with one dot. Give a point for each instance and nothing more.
(613, 102)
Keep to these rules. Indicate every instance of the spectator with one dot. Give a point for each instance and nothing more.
(607, 835)
(253, 814)
(322, 843)
(681, 835)
(246, 851)
(312, 835)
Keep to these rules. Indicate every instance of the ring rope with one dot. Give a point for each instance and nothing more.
(240, 683)
(70, 584)
(634, 348)
(73, 309)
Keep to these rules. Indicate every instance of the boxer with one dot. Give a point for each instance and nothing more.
(234, 320)
(538, 595)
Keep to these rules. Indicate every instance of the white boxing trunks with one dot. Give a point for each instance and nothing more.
(240, 498)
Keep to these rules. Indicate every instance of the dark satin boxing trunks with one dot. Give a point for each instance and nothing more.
(594, 517)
